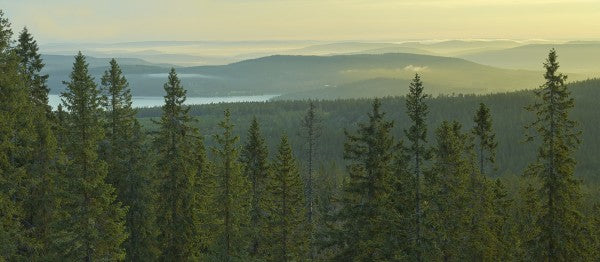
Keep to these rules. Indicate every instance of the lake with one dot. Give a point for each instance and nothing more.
(152, 101)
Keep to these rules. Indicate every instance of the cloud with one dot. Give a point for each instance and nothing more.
(413, 68)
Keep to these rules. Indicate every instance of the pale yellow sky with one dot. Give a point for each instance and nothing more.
(327, 20)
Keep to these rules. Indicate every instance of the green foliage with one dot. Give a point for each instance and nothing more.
(42, 201)
(311, 131)
(127, 168)
(287, 235)
(16, 136)
(486, 138)
(231, 203)
(367, 214)
(176, 169)
(93, 223)
(254, 157)
(560, 221)
(417, 111)
(446, 214)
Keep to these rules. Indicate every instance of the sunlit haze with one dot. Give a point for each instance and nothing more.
(322, 20)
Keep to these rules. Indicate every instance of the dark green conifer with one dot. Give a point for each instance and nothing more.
(311, 132)
(126, 156)
(447, 216)
(485, 138)
(176, 170)
(287, 236)
(232, 201)
(366, 214)
(42, 201)
(93, 224)
(16, 136)
(254, 157)
(561, 228)
(417, 111)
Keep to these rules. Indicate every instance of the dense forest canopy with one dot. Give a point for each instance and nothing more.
(497, 177)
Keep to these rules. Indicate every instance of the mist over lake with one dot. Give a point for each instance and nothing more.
(152, 101)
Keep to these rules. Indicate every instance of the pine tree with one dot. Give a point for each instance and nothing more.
(93, 228)
(417, 111)
(287, 235)
(255, 159)
(561, 235)
(311, 131)
(447, 217)
(486, 138)
(16, 136)
(364, 219)
(128, 173)
(231, 200)
(177, 169)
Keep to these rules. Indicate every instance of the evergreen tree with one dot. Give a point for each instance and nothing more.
(205, 190)
(127, 168)
(231, 200)
(93, 227)
(447, 217)
(485, 137)
(31, 60)
(503, 225)
(311, 131)
(364, 218)
(560, 222)
(16, 135)
(528, 212)
(417, 111)
(41, 203)
(255, 159)
(287, 235)
(177, 168)
(481, 148)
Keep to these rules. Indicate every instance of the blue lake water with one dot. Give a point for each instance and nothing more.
(152, 101)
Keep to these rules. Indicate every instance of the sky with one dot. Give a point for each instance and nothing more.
(109, 21)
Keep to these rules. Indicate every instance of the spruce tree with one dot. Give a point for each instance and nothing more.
(480, 148)
(176, 170)
(254, 157)
(205, 193)
(32, 63)
(528, 212)
(287, 235)
(417, 111)
(485, 138)
(311, 131)
(447, 181)
(365, 217)
(16, 136)
(93, 227)
(42, 202)
(127, 160)
(231, 197)
(561, 234)
(503, 224)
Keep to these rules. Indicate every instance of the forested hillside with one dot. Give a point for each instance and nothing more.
(507, 110)
(330, 77)
(503, 177)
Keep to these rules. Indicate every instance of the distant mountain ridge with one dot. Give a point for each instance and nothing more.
(333, 76)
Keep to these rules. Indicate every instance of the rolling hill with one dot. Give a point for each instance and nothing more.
(337, 76)
(576, 57)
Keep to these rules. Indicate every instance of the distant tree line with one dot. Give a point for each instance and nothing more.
(87, 183)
